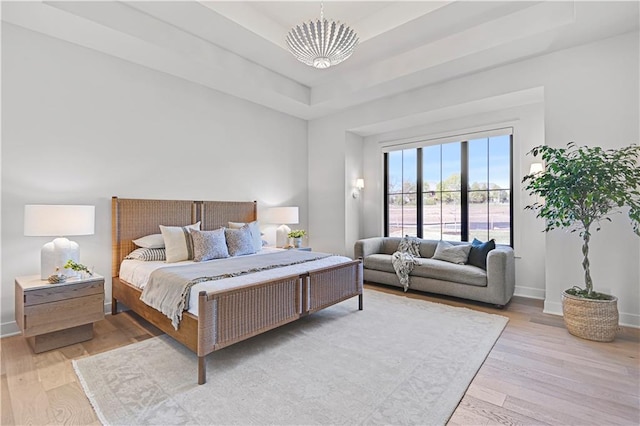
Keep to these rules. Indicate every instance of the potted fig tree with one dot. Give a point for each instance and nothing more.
(581, 187)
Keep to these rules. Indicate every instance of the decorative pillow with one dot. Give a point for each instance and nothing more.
(452, 253)
(209, 245)
(239, 241)
(254, 227)
(178, 242)
(479, 252)
(150, 241)
(147, 254)
(410, 245)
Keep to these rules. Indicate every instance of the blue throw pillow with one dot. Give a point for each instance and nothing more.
(479, 252)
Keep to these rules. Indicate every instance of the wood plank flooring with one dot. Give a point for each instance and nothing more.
(537, 373)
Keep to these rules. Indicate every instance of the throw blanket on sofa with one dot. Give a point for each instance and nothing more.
(168, 288)
(403, 260)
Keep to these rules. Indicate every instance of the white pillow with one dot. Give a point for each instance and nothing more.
(452, 253)
(150, 241)
(254, 228)
(178, 242)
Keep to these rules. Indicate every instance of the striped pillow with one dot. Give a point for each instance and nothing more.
(147, 254)
(178, 242)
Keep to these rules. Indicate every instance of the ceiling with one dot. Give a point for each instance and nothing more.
(238, 47)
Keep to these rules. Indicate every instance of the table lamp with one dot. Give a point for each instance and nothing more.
(58, 221)
(284, 216)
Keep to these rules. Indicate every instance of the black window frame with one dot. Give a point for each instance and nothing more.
(464, 191)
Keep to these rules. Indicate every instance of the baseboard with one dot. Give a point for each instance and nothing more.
(625, 319)
(529, 292)
(9, 329)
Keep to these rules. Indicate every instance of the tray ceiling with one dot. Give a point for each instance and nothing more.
(238, 47)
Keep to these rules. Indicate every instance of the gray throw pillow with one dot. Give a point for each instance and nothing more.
(208, 245)
(239, 241)
(452, 253)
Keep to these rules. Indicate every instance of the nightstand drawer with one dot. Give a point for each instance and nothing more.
(57, 292)
(62, 314)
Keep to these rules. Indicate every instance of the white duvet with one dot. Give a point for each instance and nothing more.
(137, 272)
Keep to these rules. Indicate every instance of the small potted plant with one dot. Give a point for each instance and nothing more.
(580, 187)
(78, 267)
(297, 235)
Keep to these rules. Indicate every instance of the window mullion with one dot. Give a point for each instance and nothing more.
(386, 194)
(464, 191)
(419, 197)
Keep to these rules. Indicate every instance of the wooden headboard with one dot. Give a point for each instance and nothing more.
(134, 218)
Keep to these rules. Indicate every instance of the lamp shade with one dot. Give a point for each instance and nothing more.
(58, 220)
(536, 168)
(283, 215)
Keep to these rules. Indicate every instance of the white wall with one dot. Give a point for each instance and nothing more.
(590, 96)
(80, 127)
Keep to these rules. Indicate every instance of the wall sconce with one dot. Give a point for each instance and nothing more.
(536, 168)
(359, 187)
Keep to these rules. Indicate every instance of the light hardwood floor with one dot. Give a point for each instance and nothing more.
(536, 373)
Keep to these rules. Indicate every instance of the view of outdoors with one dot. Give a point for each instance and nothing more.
(488, 190)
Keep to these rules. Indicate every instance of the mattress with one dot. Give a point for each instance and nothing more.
(137, 272)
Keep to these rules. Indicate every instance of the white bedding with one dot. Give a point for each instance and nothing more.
(137, 272)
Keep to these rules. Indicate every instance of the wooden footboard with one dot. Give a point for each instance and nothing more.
(328, 286)
(230, 316)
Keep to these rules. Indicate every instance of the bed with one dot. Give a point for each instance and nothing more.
(233, 313)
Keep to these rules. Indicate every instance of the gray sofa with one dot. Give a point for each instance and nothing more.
(495, 285)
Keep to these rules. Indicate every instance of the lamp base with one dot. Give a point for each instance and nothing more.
(282, 236)
(55, 254)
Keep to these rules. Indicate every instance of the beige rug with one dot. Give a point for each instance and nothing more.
(400, 361)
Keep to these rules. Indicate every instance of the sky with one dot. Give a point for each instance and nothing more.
(488, 162)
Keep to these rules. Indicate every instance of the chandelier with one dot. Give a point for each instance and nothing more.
(321, 43)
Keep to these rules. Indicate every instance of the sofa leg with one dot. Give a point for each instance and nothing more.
(498, 306)
(360, 302)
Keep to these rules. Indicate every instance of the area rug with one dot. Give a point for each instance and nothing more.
(399, 361)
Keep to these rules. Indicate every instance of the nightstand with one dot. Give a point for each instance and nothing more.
(55, 315)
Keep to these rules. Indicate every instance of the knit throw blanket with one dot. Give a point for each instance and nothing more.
(404, 259)
(168, 288)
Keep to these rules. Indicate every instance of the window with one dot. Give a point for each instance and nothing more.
(454, 191)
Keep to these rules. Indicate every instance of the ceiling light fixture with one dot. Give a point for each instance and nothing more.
(322, 43)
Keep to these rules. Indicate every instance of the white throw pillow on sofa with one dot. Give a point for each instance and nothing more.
(452, 253)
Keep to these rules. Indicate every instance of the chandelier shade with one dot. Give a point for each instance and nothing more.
(322, 43)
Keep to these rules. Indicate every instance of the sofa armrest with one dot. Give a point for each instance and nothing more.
(501, 273)
(368, 246)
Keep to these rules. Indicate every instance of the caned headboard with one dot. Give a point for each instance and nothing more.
(134, 218)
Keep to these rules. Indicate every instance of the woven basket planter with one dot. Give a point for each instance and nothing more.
(590, 319)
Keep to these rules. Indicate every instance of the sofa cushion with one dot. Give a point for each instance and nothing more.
(380, 262)
(390, 245)
(428, 247)
(445, 271)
